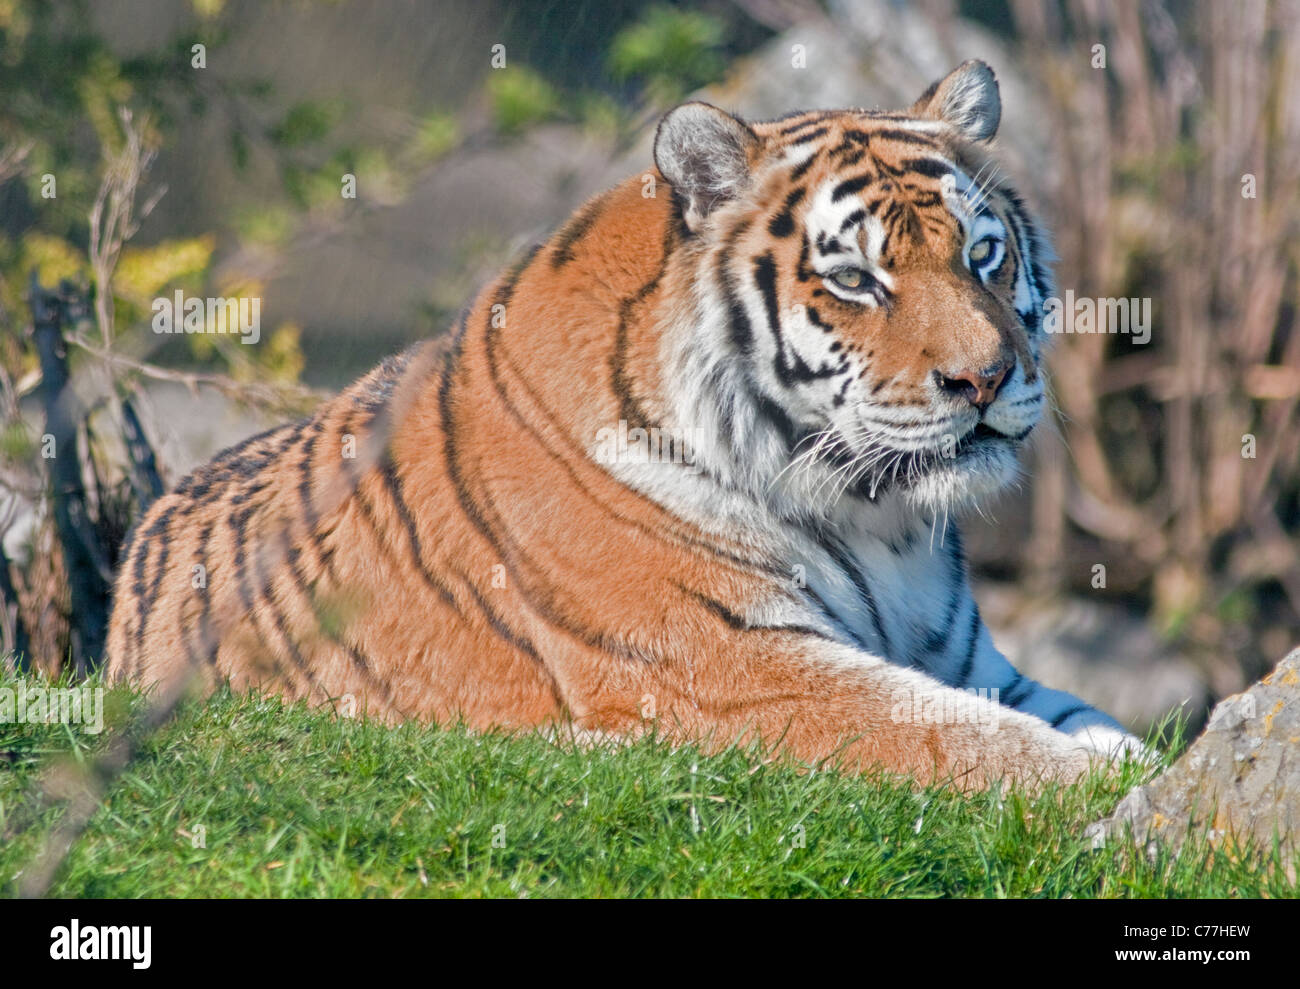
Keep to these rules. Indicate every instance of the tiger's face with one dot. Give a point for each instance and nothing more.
(882, 287)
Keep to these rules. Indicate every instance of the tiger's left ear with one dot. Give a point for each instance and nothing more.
(967, 98)
(706, 154)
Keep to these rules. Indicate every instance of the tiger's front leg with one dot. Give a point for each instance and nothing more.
(1090, 727)
(1067, 714)
(817, 700)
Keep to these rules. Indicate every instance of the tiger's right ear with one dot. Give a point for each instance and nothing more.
(967, 98)
(706, 154)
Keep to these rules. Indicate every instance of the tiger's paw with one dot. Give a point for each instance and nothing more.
(1100, 736)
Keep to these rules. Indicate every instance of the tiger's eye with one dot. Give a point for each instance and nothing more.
(981, 250)
(849, 277)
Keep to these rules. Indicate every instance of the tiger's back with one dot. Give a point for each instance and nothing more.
(296, 560)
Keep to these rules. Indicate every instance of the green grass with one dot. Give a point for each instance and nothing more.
(294, 803)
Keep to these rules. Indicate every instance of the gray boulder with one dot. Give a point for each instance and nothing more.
(1238, 782)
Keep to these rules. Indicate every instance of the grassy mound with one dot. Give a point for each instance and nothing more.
(243, 796)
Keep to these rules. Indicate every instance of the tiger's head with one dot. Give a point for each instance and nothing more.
(869, 294)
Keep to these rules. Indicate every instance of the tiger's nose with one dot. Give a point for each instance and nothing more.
(977, 387)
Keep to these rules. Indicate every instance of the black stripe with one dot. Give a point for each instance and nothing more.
(248, 491)
(900, 117)
(782, 224)
(803, 271)
(937, 640)
(355, 655)
(138, 588)
(789, 365)
(187, 630)
(814, 317)
(913, 227)
(905, 136)
(810, 119)
(573, 231)
(968, 665)
(931, 168)
(765, 279)
(801, 169)
(812, 135)
(238, 522)
(776, 417)
(1026, 232)
(738, 325)
(392, 484)
(832, 618)
(207, 638)
(1010, 695)
(620, 380)
(243, 461)
(1069, 712)
(738, 622)
(842, 559)
(828, 245)
(850, 186)
(158, 530)
(310, 516)
(853, 219)
(265, 584)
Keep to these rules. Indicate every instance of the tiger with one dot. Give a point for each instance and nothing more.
(688, 467)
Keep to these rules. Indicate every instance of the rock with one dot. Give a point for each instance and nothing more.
(875, 54)
(1239, 781)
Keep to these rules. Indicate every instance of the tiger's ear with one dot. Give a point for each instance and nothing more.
(967, 98)
(706, 155)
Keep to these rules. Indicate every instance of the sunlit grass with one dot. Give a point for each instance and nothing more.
(242, 796)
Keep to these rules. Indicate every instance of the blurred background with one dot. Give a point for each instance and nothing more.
(1150, 561)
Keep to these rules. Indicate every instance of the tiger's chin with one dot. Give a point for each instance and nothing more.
(952, 484)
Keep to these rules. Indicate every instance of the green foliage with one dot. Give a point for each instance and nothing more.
(53, 257)
(266, 224)
(16, 443)
(145, 272)
(520, 98)
(603, 116)
(671, 51)
(299, 803)
(59, 80)
(435, 135)
(307, 122)
(282, 358)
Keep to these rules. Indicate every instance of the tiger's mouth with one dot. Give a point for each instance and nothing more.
(983, 433)
(982, 450)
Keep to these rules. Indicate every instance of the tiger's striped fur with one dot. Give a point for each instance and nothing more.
(803, 305)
